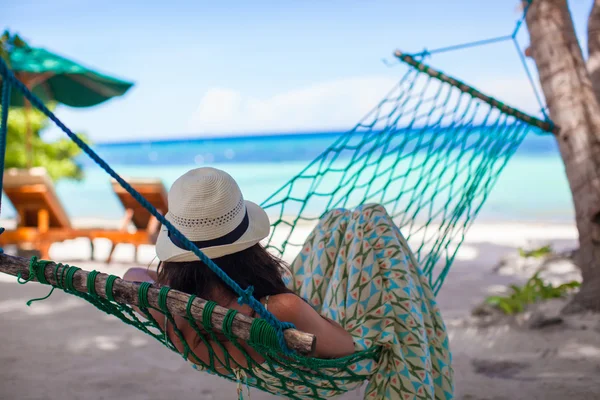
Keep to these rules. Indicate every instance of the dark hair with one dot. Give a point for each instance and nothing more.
(254, 266)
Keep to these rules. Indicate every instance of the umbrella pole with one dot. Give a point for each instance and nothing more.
(30, 81)
(28, 135)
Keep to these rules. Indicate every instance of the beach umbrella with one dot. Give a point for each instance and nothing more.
(54, 78)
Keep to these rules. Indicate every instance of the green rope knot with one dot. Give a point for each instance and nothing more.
(91, 282)
(69, 273)
(263, 334)
(209, 307)
(143, 295)
(110, 281)
(37, 270)
(247, 294)
(228, 322)
(188, 308)
(20, 279)
(34, 268)
(162, 298)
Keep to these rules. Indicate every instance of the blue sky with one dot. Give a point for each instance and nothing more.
(232, 67)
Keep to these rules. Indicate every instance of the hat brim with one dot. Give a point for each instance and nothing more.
(258, 229)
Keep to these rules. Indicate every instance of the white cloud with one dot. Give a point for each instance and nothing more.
(333, 105)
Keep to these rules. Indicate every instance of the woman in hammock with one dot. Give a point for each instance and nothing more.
(354, 285)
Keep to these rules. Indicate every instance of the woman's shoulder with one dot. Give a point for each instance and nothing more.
(286, 306)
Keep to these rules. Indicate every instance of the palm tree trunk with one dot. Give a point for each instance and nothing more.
(573, 107)
(593, 63)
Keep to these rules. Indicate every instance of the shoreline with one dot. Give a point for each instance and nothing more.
(505, 234)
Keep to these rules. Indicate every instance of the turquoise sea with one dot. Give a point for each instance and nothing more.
(532, 187)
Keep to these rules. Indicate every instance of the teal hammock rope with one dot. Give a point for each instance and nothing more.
(3, 135)
(430, 152)
(245, 296)
(498, 39)
(4, 127)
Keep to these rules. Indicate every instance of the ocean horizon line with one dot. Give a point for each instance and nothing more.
(225, 137)
(269, 135)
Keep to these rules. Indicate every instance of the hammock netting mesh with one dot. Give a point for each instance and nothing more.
(430, 152)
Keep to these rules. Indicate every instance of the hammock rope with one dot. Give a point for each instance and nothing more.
(430, 152)
(245, 296)
(3, 131)
(497, 39)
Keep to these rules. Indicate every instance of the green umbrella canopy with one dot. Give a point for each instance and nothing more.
(55, 78)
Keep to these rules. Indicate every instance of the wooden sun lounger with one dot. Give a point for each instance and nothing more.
(42, 219)
(146, 225)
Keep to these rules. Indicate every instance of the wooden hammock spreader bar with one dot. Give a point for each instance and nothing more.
(127, 292)
(463, 87)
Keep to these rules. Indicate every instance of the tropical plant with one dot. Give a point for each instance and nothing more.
(534, 290)
(58, 157)
(540, 252)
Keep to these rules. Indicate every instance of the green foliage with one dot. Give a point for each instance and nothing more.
(533, 291)
(7, 42)
(57, 157)
(536, 253)
(4, 47)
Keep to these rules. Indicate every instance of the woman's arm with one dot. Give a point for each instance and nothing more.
(332, 340)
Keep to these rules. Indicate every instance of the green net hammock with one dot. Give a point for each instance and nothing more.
(430, 152)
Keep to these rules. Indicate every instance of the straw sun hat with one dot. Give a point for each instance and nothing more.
(207, 206)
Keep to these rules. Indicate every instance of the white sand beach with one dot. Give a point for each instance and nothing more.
(63, 348)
